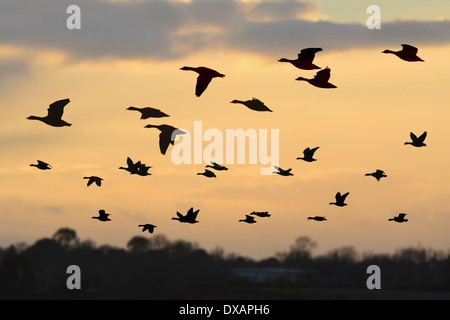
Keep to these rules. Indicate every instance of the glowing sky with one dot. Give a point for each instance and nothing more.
(130, 52)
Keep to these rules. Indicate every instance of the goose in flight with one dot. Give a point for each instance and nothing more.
(190, 217)
(260, 213)
(408, 53)
(216, 166)
(399, 218)
(92, 179)
(308, 154)
(282, 172)
(147, 227)
(166, 136)
(248, 219)
(102, 216)
(305, 59)
(417, 141)
(378, 174)
(148, 112)
(205, 75)
(207, 173)
(54, 114)
(317, 218)
(254, 104)
(340, 199)
(41, 165)
(320, 80)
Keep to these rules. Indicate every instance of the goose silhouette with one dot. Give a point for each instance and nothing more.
(207, 173)
(216, 166)
(92, 179)
(248, 219)
(254, 104)
(166, 136)
(54, 114)
(320, 80)
(340, 199)
(131, 166)
(148, 112)
(399, 218)
(304, 59)
(408, 53)
(147, 227)
(190, 217)
(378, 174)
(308, 154)
(417, 141)
(317, 218)
(282, 172)
(41, 165)
(102, 216)
(260, 213)
(205, 75)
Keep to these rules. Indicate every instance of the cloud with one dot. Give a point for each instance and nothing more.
(167, 30)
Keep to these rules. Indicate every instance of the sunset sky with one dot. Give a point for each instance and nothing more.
(129, 53)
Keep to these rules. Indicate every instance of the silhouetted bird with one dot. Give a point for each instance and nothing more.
(340, 199)
(148, 112)
(216, 166)
(378, 174)
(260, 213)
(167, 135)
(205, 75)
(248, 219)
(254, 104)
(408, 53)
(304, 59)
(417, 141)
(399, 218)
(132, 167)
(320, 80)
(54, 114)
(147, 227)
(308, 154)
(102, 216)
(207, 173)
(41, 165)
(317, 218)
(190, 216)
(92, 179)
(282, 172)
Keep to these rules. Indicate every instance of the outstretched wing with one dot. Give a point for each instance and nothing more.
(407, 47)
(422, 137)
(308, 53)
(42, 163)
(313, 150)
(164, 141)
(401, 215)
(323, 75)
(202, 83)
(56, 109)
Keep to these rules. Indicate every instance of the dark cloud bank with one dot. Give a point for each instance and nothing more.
(163, 30)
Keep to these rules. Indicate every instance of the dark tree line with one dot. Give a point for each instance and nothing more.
(154, 267)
